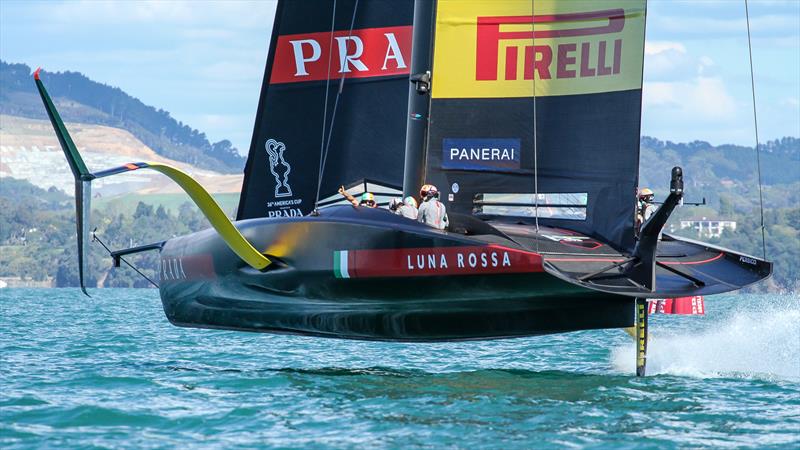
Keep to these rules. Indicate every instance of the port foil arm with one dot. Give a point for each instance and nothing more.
(83, 178)
(226, 229)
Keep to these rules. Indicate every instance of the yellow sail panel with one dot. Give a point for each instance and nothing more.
(495, 48)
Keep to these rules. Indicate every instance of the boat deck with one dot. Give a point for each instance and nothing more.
(683, 267)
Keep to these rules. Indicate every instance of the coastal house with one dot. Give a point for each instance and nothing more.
(709, 228)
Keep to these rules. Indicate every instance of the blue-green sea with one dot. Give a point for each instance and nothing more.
(110, 372)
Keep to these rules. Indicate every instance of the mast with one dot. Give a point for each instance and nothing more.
(418, 97)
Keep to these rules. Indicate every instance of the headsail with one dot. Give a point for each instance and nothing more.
(363, 127)
(584, 61)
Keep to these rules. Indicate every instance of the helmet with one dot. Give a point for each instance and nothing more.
(367, 199)
(395, 203)
(428, 190)
(410, 201)
(646, 193)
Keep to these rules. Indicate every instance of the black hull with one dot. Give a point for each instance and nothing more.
(303, 296)
(410, 319)
(359, 273)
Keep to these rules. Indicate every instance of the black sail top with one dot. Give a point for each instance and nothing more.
(364, 124)
(584, 60)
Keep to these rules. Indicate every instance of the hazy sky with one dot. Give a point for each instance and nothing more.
(203, 60)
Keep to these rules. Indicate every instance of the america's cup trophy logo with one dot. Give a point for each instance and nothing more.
(279, 167)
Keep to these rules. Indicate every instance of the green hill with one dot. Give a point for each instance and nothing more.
(82, 100)
(726, 171)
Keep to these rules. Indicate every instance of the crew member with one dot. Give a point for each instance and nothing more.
(645, 207)
(347, 196)
(404, 207)
(409, 208)
(432, 212)
(395, 204)
(368, 200)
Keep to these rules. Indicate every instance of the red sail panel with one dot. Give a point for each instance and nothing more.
(364, 53)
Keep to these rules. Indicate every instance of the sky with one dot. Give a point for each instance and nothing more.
(203, 61)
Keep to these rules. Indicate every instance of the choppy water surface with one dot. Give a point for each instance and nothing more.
(110, 371)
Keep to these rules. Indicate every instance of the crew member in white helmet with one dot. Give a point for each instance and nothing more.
(645, 207)
(408, 208)
(404, 207)
(432, 212)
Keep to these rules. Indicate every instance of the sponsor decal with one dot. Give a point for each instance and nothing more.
(367, 52)
(409, 262)
(748, 260)
(280, 169)
(191, 267)
(481, 154)
(541, 58)
(491, 49)
(285, 208)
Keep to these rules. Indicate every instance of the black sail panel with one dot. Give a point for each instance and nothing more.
(584, 60)
(365, 125)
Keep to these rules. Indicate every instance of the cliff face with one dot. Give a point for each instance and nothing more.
(29, 150)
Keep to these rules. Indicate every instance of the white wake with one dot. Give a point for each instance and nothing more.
(759, 344)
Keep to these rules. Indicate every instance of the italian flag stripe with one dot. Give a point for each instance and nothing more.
(340, 264)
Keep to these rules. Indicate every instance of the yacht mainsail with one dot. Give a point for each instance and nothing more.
(539, 97)
(335, 89)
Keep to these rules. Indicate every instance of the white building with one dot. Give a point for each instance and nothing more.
(711, 228)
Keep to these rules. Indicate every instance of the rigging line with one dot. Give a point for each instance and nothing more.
(94, 237)
(335, 105)
(755, 126)
(535, 136)
(325, 110)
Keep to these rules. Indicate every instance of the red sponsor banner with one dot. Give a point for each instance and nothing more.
(368, 52)
(679, 305)
(404, 262)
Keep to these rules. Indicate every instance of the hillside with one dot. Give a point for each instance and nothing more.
(29, 150)
(82, 100)
(37, 236)
(726, 173)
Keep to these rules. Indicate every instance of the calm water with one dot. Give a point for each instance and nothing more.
(110, 371)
